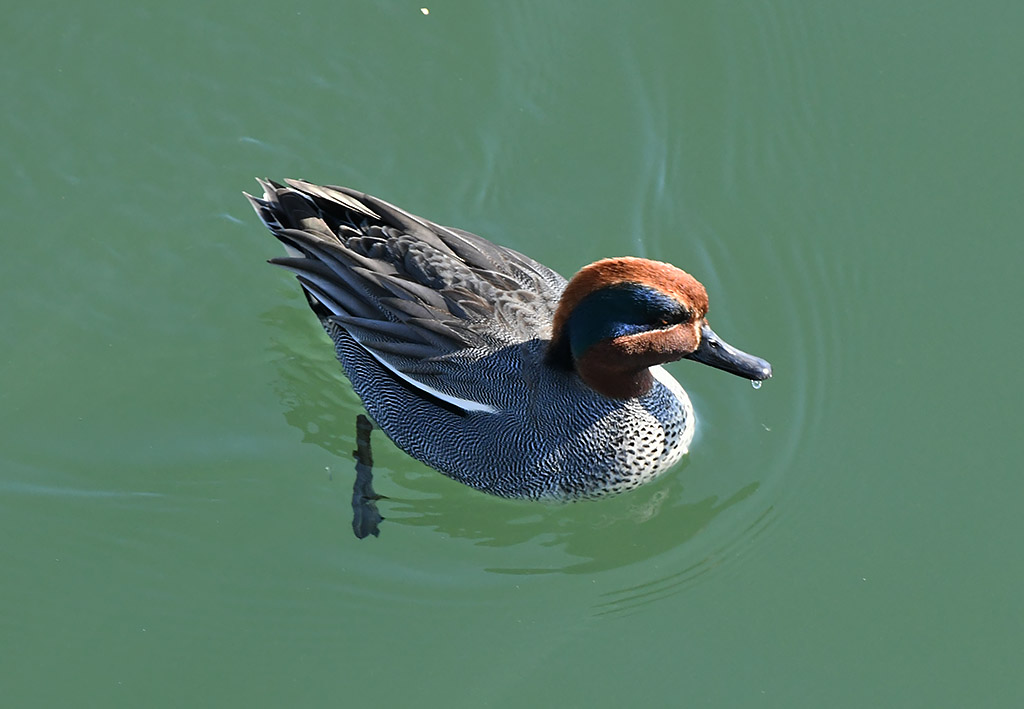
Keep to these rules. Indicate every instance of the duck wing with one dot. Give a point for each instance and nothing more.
(418, 297)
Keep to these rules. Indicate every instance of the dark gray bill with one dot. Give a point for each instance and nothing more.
(715, 352)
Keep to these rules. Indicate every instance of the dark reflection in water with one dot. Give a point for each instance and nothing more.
(592, 536)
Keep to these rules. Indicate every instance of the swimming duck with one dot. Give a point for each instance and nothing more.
(489, 366)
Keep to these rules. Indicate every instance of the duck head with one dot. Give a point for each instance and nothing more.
(618, 317)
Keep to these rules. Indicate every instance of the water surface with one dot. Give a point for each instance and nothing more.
(175, 462)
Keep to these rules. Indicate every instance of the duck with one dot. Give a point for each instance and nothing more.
(490, 367)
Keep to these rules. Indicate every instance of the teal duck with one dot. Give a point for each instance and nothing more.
(489, 366)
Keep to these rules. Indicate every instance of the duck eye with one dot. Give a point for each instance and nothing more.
(669, 319)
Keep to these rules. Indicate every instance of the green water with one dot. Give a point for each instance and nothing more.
(175, 454)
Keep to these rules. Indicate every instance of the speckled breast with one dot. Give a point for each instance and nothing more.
(651, 437)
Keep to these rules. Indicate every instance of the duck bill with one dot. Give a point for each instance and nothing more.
(716, 352)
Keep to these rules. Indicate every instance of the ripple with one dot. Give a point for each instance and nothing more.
(779, 288)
